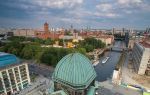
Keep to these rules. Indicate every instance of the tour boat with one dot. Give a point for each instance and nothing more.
(105, 60)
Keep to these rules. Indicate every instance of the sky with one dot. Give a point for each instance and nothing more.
(79, 13)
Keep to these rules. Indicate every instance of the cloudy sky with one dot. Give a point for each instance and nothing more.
(79, 13)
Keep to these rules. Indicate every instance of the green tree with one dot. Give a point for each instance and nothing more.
(90, 44)
(51, 56)
(30, 51)
(13, 47)
(49, 42)
(81, 50)
(17, 38)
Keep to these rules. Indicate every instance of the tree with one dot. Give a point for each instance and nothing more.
(30, 51)
(51, 56)
(90, 44)
(17, 38)
(89, 48)
(38, 40)
(13, 47)
(49, 41)
(81, 50)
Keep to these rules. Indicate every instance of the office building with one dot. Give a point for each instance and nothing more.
(14, 75)
(141, 57)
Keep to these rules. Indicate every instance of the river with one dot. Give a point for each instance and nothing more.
(104, 71)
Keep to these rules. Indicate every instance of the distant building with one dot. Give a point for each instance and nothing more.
(107, 39)
(46, 27)
(24, 32)
(127, 39)
(131, 43)
(113, 31)
(48, 34)
(70, 78)
(14, 75)
(141, 57)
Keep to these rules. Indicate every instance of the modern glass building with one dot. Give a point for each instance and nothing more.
(141, 57)
(14, 75)
(74, 75)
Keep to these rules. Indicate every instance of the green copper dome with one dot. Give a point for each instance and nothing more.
(74, 70)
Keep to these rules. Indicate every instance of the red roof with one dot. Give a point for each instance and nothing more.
(48, 35)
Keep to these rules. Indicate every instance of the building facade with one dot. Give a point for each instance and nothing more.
(107, 39)
(14, 76)
(24, 32)
(141, 57)
(47, 34)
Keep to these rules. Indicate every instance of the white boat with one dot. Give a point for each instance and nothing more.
(105, 60)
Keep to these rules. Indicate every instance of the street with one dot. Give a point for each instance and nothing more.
(41, 69)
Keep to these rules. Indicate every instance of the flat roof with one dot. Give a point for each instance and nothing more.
(7, 59)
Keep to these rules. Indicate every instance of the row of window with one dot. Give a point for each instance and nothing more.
(12, 73)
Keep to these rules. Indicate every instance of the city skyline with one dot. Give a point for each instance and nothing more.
(79, 13)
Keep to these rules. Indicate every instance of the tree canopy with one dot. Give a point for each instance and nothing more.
(50, 56)
(90, 44)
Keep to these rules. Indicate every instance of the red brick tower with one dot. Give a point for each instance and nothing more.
(46, 27)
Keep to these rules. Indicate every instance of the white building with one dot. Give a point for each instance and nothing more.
(107, 39)
(141, 57)
(24, 32)
(14, 76)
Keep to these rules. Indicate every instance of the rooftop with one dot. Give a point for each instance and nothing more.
(74, 70)
(7, 59)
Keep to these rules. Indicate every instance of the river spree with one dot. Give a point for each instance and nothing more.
(104, 71)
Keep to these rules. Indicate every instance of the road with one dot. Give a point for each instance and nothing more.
(104, 71)
(41, 70)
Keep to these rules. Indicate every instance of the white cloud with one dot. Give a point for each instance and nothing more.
(80, 12)
(129, 2)
(133, 6)
(104, 7)
(106, 10)
(109, 15)
(71, 20)
(145, 7)
(57, 3)
(128, 11)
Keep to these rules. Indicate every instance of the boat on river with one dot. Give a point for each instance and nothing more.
(105, 60)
